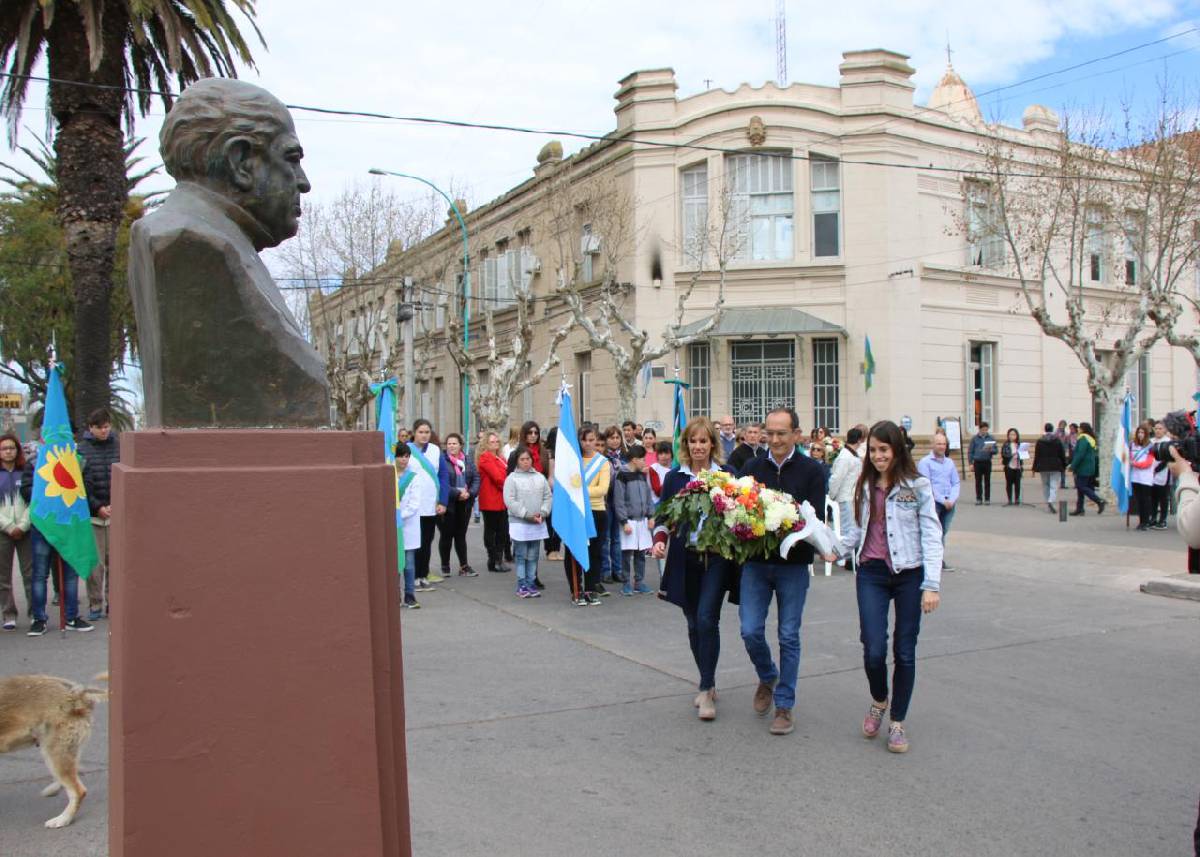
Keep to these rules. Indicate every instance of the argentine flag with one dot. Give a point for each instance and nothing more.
(1121, 473)
(571, 512)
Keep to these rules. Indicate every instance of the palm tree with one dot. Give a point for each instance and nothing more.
(105, 57)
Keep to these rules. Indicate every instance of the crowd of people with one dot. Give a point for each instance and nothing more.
(40, 567)
(891, 528)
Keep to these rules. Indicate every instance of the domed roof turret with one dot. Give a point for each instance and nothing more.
(953, 97)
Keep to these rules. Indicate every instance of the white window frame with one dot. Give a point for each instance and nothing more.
(1131, 236)
(693, 193)
(589, 248)
(985, 246)
(826, 384)
(700, 377)
(826, 197)
(1093, 245)
(763, 206)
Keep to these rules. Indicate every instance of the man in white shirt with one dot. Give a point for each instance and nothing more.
(843, 476)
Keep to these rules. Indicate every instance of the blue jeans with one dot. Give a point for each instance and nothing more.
(44, 566)
(704, 628)
(789, 583)
(610, 550)
(637, 559)
(410, 571)
(877, 587)
(945, 516)
(525, 561)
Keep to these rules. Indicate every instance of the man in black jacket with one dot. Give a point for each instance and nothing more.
(1050, 460)
(100, 450)
(785, 469)
(746, 450)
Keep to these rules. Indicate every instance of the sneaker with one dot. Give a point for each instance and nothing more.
(534, 593)
(601, 591)
(1076, 513)
(642, 589)
(1099, 511)
(762, 697)
(10, 624)
(78, 624)
(522, 592)
(897, 740)
(95, 615)
(581, 601)
(436, 578)
(467, 571)
(871, 723)
(783, 723)
(410, 603)
(36, 629)
(978, 502)
(987, 502)
(425, 585)
(592, 600)
(1141, 528)
(627, 589)
(537, 584)
(1159, 525)
(1050, 506)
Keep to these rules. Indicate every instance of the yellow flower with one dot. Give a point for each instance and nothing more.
(758, 529)
(62, 475)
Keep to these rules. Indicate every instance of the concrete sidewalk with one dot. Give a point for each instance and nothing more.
(1050, 717)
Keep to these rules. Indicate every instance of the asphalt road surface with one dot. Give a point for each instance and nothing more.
(1054, 714)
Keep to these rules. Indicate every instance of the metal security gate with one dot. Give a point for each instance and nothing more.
(763, 377)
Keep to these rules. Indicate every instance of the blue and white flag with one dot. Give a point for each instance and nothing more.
(571, 511)
(385, 416)
(1122, 477)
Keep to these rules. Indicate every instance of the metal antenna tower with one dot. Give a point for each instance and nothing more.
(781, 42)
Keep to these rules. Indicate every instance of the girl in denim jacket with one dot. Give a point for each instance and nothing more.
(897, 544)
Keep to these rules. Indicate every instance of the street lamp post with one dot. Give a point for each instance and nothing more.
(466, 383)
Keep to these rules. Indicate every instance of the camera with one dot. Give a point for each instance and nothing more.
(1181, 425)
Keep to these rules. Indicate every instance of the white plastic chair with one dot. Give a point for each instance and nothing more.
(833, 519)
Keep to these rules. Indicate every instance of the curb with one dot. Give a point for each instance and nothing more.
(1178, 586)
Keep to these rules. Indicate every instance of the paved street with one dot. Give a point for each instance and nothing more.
(1053, 715)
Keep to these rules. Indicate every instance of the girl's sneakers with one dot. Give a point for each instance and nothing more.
(897, 740)
(627, 589)
(870, 726)
(528, 592)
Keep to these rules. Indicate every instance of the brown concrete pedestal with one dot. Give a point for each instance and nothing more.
(257, 703)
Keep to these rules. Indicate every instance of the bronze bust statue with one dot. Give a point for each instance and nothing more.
(219, 346)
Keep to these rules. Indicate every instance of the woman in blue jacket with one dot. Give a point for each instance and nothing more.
(697, 582)
(897, 544)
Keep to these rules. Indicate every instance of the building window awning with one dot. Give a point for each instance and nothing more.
(747, 322)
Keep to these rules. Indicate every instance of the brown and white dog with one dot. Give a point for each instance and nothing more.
(56, 715)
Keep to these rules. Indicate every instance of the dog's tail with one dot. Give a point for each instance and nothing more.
(96, 694)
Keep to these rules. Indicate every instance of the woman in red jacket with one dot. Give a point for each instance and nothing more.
(493, 470)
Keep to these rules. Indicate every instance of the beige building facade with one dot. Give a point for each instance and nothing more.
(847, 205)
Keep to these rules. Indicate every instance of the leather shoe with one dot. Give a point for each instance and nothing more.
(763, 697)
(783, 723)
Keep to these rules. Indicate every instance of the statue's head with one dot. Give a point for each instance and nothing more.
(237, 139)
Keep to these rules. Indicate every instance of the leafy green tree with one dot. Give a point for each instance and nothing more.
(37, 300)
(105, 57)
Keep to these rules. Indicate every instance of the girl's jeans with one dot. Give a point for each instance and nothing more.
(525, 558)
(45, 565)
(877, 589)
(410, 571)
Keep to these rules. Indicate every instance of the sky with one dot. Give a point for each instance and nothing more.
(555, 65)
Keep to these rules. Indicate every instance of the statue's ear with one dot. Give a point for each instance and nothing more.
(239, 157)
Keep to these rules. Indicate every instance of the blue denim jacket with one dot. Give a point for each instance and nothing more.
(913, 531)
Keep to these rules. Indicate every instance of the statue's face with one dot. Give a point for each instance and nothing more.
(279, 180)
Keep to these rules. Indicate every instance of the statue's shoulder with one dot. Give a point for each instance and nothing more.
(186, 220)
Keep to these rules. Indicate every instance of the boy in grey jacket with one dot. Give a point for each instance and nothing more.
(633, 507)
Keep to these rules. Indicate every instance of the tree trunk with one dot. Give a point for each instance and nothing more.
(1110, 418)
(91, 181)
(626, 397)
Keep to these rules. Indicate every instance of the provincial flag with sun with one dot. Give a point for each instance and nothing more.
(60, 508)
